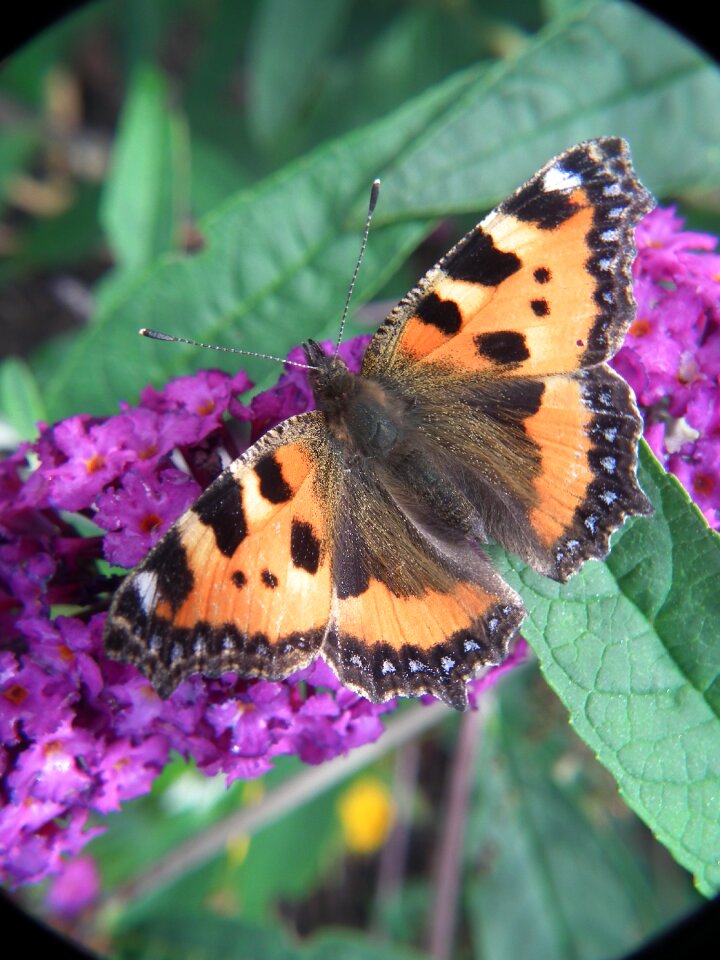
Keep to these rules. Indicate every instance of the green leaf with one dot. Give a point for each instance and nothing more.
(278, 257)
(355, 945)
(200, 936)
(143, 197)
(608, 69)
(261, 885)
(632, 648)
(20, 400)
(214, 176)
(275, 267)
(290, 40)
(203, 936)
(552, 873)
(16, 146)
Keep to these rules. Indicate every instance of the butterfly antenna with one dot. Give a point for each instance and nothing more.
(157, 335)
(374, 193)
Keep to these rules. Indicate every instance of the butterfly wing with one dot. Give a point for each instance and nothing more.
(242, 581)
(508, 335)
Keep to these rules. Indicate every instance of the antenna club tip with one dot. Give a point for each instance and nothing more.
(143, 331)
(374, 192)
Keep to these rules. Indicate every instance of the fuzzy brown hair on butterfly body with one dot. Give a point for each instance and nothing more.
(382, 433)
(485, 410)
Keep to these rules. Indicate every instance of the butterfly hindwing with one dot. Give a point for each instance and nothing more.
(384, 645)
(416, 607)
(586, 429)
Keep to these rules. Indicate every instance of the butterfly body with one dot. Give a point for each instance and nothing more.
(484, 411)
(360, 413)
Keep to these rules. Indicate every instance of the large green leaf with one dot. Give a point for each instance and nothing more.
(276, 265)
(20, 401)
(185, 936)
(610, 69)
(200, 936)
(632, 648)
(551, 872)
(143, 196)
(278, 256)
(290, 40)
(16, 146)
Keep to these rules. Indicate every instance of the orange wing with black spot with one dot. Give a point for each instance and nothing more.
(384, 645)
(243, 580)
(514, 324)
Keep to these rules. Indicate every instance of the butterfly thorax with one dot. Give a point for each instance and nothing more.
(360, 412)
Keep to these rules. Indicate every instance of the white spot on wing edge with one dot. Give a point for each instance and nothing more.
(591, 522)
(146, 588)
(558, 179)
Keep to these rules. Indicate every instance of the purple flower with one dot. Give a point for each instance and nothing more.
(80, 734)
(671, 356)
(127, 769)
(140, 511)
(200, 400)
(79, 457)
(75, 888)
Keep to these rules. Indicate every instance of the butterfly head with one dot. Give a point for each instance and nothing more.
(331, 381)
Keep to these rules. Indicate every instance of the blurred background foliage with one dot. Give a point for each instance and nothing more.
(202, 166)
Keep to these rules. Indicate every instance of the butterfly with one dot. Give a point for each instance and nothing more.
(484, 411)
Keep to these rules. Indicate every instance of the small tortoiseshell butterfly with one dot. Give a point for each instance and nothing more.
(484, 411)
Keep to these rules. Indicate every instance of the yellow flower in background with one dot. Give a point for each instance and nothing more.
(366, 814)
(237, 848)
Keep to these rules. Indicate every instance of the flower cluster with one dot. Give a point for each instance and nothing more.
(671, 355)
(79, 733)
